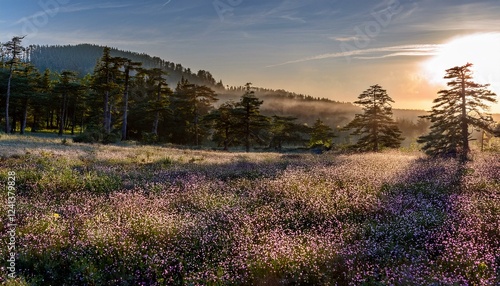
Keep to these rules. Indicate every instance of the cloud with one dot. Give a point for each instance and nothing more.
(384, 52)
(294, 19)
(398, 54)
(345, 39)
(441, 16)
(80, 7)
(52, 11)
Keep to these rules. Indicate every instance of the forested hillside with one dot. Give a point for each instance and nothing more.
(83, 58)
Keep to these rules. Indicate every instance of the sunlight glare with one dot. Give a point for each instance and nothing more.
(482, 50)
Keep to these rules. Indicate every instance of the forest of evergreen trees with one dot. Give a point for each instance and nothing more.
(126, 95)
(100, 94)
(83, 58)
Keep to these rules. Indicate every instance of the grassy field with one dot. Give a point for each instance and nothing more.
(143, 215)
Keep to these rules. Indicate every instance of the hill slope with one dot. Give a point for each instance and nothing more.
(83, 58)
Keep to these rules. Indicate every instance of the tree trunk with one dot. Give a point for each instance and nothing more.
(247, 129)
(375, 123)
(34, 127)
(109, 118)
(197, 143)
(482, 140)
(226, 140)
(125, 105)
(155, 123)
(73, 123)
(157, 115)
(7, 99)
(61, 120)
(106, 112)
(47, 120)
(464, 126)
(14, 121)
(52, 119)
(81, 123)
(25, 116)
(66, 115)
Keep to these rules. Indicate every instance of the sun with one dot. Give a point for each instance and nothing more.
(482, 50)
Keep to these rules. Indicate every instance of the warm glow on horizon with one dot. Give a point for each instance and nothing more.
(482, 50)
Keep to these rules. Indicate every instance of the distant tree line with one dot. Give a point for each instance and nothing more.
(132, 98)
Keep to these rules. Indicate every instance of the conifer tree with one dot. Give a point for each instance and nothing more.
(3, 54)
(181, 106)
(285, 130)
(252, 122)
(190, 103)
(160, 93)
(204, 99)
(376, 123)
(225, 123)
(458, 109)
(128, 66)
(26, 88)
(66, 86)
(105, 74)
(321, 135)
(41, 103)
(13, 49)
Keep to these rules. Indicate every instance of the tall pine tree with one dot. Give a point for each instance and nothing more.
(225, 123)
(26, 88)
(128, 66)
(376, 123)
(456, 111)
(14, 50)
(67, 86)
(190, 103)
(252, 122)
(104, 82)
(160, 93)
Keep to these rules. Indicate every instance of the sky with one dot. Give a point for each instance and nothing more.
(334, 49)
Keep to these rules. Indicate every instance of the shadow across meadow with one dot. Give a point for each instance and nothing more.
(401, 242)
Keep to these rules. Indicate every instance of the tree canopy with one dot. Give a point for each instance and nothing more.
(456, 112)
(376, 125)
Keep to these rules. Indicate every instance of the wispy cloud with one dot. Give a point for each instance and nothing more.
(80, 7)
(375, 53)
(345, 39)
(399, 54)
(294, 19)
(42, 13)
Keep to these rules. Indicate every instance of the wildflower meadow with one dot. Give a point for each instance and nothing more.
(151, 215)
